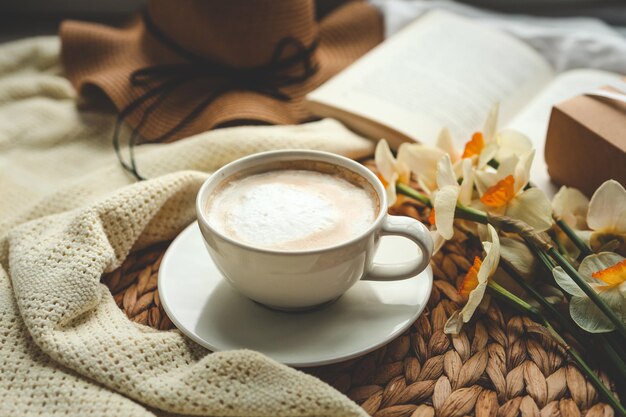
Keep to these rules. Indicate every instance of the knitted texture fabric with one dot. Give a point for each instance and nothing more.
(69, 213)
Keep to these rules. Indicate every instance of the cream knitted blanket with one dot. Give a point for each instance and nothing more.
(68, 213)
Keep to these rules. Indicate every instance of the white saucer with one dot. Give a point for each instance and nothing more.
(209, 311)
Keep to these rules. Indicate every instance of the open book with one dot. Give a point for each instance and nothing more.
(445, 70)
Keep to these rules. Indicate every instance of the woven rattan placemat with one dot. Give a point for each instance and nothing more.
(501, 364)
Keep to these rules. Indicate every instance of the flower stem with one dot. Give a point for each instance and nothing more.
(612, 338)
(461, 212)
(516, 302)
(613, 347)
(595, 380)
(542, 249)
(604, 344)
(582, 284)
(413, 193)
(539, 246)
(544, 258)
(509, 269)
(493, 163)
(471, 214)
(524, 307)
(576, 240)
(615, 357)
(558, 242)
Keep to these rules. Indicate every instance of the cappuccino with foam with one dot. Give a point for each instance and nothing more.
(293, 209)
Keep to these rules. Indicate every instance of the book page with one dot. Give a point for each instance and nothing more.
(441, 70)
(533, 119)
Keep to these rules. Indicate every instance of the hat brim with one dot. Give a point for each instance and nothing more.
(103, 57)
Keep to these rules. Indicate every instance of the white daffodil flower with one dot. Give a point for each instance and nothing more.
(607, 218)
(511, 142)
(422, 159)
(483, 146)
(390, 170)
(503, 193)
(571, 206)
(491, 143)
(445, 143)
(514, 251)
(475, 283)
(606, 274)
(517, 253)
(450, 193)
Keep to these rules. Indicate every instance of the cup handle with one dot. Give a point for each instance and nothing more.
(412, 230)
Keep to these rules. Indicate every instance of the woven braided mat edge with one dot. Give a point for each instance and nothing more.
(501, 364)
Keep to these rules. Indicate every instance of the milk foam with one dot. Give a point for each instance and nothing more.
(291, 210)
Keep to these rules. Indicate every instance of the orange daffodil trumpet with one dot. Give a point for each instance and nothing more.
(504, 192)
(482, 147)
(475, 282)
(606, 274)
(491, 144)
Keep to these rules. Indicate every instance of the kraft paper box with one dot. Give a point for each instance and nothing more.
(586, 143)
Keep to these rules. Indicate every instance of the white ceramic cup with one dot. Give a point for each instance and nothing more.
(301, 279)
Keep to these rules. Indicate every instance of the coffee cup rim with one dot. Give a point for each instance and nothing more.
(260, 158)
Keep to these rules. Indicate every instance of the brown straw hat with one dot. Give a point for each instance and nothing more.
(187, 66)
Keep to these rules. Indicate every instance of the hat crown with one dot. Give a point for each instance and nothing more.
(239, 33)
